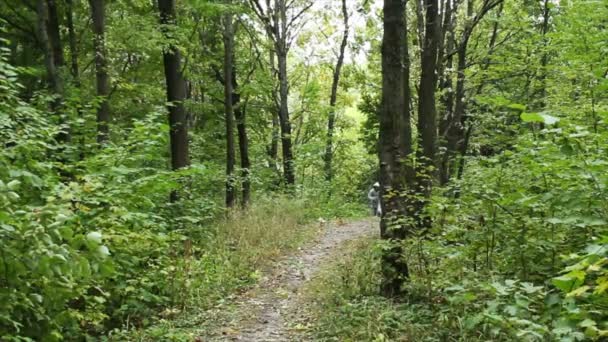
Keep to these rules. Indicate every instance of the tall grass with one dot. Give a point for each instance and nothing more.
(229, 259)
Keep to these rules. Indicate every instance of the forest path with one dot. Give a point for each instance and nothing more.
(271, 311)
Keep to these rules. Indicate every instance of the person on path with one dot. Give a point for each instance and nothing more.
(374, 199)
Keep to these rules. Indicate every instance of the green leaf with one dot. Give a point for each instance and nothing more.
(569, 281)
(539, 118)
(531, 117)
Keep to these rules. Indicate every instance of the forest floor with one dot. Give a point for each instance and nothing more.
(275, 309)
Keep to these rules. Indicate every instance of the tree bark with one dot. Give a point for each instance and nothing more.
(101, 70)
(228, 109)
(331, 120)
(176, 93)
(392, 149)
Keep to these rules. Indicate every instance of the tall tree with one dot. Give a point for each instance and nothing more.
(393, 146)
(331, 120)
(101, 69)
(281, 21)
(176, 91)
(427, 112)
(228, 109)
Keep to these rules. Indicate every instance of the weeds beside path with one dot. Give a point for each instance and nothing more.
(271, 310)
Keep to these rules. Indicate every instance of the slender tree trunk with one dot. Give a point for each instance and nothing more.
(273, 148)
(228, 110)
(101, 71)
(240, 114)
(280, 40)
(331, 120)
(544, 58)
(284, 120)
(74, 68)
(391, 150)
(176, 93)
(464, 147)
(446, 85)
(458, 135)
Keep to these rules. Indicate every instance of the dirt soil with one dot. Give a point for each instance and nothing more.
(273, 311)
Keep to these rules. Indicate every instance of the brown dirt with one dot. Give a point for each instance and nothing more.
(272, 310)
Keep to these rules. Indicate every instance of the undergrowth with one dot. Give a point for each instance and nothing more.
(208, 274)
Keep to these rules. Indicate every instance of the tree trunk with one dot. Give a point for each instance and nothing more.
(241, 127)
(228, 110)
(273, 149)
(101, 72)
(240, 113)
(544, 58)
(54, 80)
(74, 68)
(392, 149)
(176, 93)
(456, 131)
(446, 85)
(284, 121)
(427, 126)
(54, 34)
(331, 120)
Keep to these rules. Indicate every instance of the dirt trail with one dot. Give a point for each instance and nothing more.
(269, 310)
